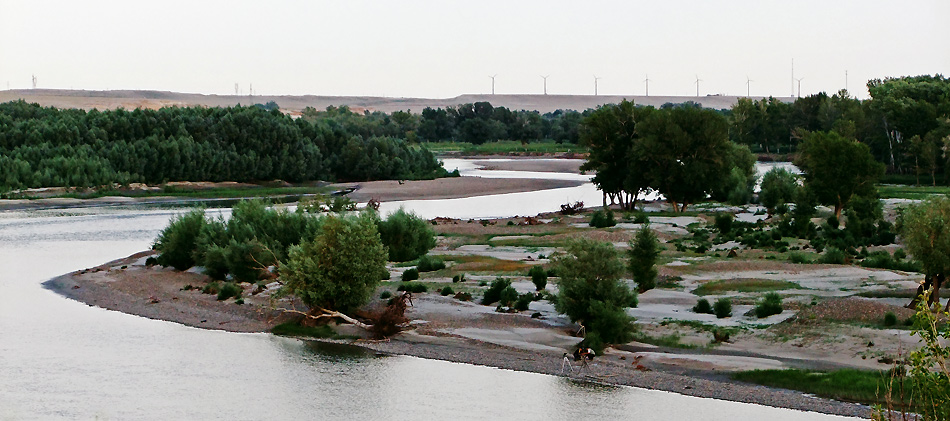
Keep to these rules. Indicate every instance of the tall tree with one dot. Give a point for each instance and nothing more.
(836, 168)
(611, 132)
(925, 232)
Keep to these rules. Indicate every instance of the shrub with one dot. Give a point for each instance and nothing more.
(641, 218)
(644, 249)
(406, 235)
(211, 288)
(177, 242)
(508, 297)
(428, 264)
(239, 301)
(770, 305)
(413, 287)
(493, 293)
(246, 259)
(703, 307)
(778, 188)
(410, 274)
(834, 256)
(151, 261)
(798, 257)
(385, 295)
(603, 218)
(724, 223)
(463, 296)
(899, 254)
(446, 290)
(890, 319)
(722, 308)
(539, 277)
(228, 290)
(459, 278)
(523, 301)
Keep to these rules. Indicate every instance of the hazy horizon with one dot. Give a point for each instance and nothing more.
(430, 49)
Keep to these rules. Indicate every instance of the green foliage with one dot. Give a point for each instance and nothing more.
(177, 242)
(212, 288)
(385, 295)
(850, 385)
(459, 278)
(833, 256)
(798, 257)
(722, 308)
(406, 235)
(925, 231)
(778, 188)
(228, 290)
(523, 301)
(340, 267)
(494, 292)
(702, 306)
(641, 218)
(413, 287)
(603, 218)
(410, 274)
(644, 250)
(724, 223)
(883, 260)
(591, 291)
(428, 264)
(928, 364)
(770, 304)
(539, 277)
(890, 319)
(836, 168)
(446, 290)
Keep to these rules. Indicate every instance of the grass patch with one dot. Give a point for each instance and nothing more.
(470, 263)
(503, 147)
(911, 192)
(295, 329)
(847, 385)
(744, 285)
(889, 293)
(669, 341)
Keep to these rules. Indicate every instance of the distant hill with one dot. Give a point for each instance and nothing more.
(293, 104)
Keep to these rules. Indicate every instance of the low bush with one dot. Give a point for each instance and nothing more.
(493, 293)
(211, 288)
(429, 264)
(458, 278)
(603, 218)
(446, 290)
(228, 290)
(703, 307)
(523, 301)
(833, 256)
(410, 274)
(463, 296)
(406, 235)
(177, 242)
(385, 295)
(798, 257)
(890, 319)
(724, 223)
(899, 254)
(722, 308)
(413, 287)
(641, 218)
(770, 305)
(539, 277)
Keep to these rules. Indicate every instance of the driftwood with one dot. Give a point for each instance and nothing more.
(390, 321)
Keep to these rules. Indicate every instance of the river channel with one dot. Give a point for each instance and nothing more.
(60, 359)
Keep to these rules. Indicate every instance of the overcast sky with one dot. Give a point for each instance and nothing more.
(446, 48)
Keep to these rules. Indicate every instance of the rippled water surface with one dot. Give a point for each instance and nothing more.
(63, 359)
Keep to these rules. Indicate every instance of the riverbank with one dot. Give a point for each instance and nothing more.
(444, 329)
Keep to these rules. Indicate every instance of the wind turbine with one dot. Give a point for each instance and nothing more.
(34, 81)
(545, 83)
(748, 83)
(697, 85)
(595, 84)
(845, 80)
(647, 81)
(493, 83)
(799, 87)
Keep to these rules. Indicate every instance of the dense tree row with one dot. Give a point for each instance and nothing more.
(473, 123)
(682, 152)
(42, 147)
(906, 123)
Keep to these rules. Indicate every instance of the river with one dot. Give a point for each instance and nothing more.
(60, 359)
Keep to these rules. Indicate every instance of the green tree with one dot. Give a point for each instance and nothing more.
(340, 267)
(925, 232)
(611, 132)
(687, 151)
(644, 249)
(778, 188)
(836, 168)
(406, 235)
(591, 292)
(178, 241)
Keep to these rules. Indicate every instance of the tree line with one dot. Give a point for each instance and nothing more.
(45, 146)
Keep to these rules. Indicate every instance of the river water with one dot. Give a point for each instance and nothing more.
(60, 359)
